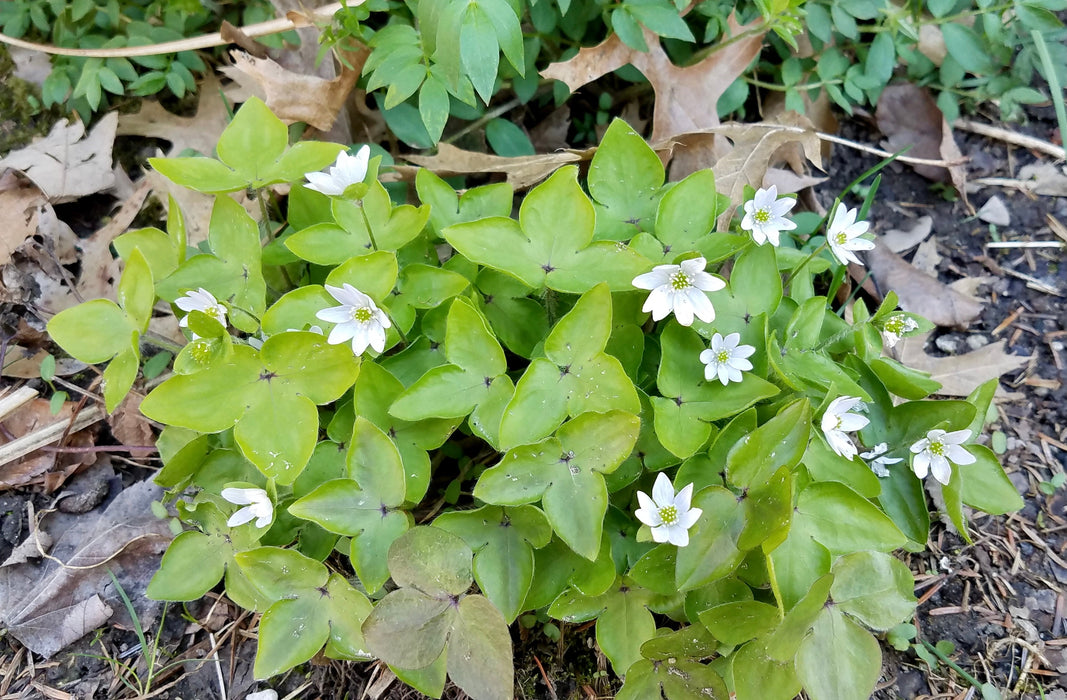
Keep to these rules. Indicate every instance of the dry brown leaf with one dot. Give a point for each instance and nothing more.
(926, 258)
(31, 547)
(959, 374)
(685, 96)
(51, 605)
(909, 116)
(919, 292)
(68, 164)
(18, 218)
(522, 172)
(900, 240)
(24, 363)
(1045, 178)
(99, 269)
(747, 161)
(788, 182)
(199, 133)
(130, 427)
(33, 416)
(294, 96)
(932, 43)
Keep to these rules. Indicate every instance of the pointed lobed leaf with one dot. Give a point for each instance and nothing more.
(625, 625)
(583, 331)
(92, 332)
(874, 587)
(253, 140)
(347, 609)
(374, 462)
(844, 521)
(431, 560)
(856, 655)
(625, 177)
(469, 342)
(408, 629)
(290, 632)
(479, 651)
(780, 442)
(712, 551)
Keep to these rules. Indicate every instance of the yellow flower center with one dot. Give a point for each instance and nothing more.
(937, 448)
(679, 281)
(841, 238)
(200, 351)
(216, 312)
(723, 357)
(362, 314)
(669, 515)
(762, 216)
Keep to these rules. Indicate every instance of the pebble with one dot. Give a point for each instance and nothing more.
(977, 341)
(949, 344)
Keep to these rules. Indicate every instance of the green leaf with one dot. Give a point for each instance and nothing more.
(686, 214)
(780, 442)
(432, 560)
(967, 48)
(199, 173)
(856, 656)
(567, 473)
(845, 522)
(874, 587)
(192, 565)
(156, 246)
(736, 623)
(479, 50)
(674, 679)
(625, 179)
(503, 540)
(434, 107)
(757, 676)
(985, 486)
(712, 552)
(253, 141)
(290, 633)
(508, 140)
(92, 332)
(624, 625)
(479, 651)
(408, 629)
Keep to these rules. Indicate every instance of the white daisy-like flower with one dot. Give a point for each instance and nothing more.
(725, 359)
(938, 451)
(765, 215)
(347, 170)
(844, 233)
(669, 515)
(837, 422)
(200, 300)
(257, 505)
(358, 318)
(896, 326)
(877, 462)
(681, 289)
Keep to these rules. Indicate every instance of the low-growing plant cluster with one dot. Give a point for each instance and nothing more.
(397, 428)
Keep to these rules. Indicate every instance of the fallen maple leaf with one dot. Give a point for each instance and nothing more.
(521, 172)
(293, 96)
(909, 116)
(68, 164)
(919, 292)
(959, 374)
(685, 95)
(49, 606)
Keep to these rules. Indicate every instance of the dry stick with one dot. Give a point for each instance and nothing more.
(11, 402)
(1011, 137)
(48, 434)
(206, 41)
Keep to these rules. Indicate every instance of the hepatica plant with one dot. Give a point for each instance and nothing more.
(397, 427)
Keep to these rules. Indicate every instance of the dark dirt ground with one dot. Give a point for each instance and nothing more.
(1000, 601)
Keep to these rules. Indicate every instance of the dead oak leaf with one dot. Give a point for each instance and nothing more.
(521, 172)
(293, 96)
(68, 163)
(919, 292)
(18, 218)
(199, 133)
(685, 95)
(959, 375)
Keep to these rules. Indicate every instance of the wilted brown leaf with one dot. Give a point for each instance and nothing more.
(900, 240)
(919, 292)
(68, 164)
(48, 606)
(18, 218)
(130, 427)
(1045, 178)
(685, 96)
(522, 172)
(909, 116)
(959, 374)
(294, 96)
(199, 132)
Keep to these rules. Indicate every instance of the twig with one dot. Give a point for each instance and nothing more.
(48, 434)
(996, 132)
(206, 41)
(9, 403)
(1026, 244)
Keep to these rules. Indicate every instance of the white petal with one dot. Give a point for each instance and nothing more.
(708, 356)
(920, 446)
(689, 518)
(732, 340)
(321, 182)
(707, 282)
(659, 303)
(717, 343)
(264, 520)
(241, 497)
(662, 491)
(740, 363)
(693, 267)
(956, 437)
(683, 309)
(920, 464)
(341, 333)
(724, 375)
(735, 374)
(335, 314)
(660, 533)
(360, 340)
(742, 351)
(678, 536)
(701, 305)
(241, 517)
(684, 498)
(860, 244)
(659, 276)
(772, 234)
(646, 502)
(853, 421)
(376, 336)
(941, 469)
(959, 455)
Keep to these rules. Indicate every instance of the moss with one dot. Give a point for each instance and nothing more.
(21, 116)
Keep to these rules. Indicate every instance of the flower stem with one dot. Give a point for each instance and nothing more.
(951, 664)
(370, 232)
(805, 261)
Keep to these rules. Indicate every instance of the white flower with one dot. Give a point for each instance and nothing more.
(938, 451)
(765, 215)
(681, 289)
(256, 504)
(878, 463)
(837, 421)
(844, 235)
(348, 170)
(200, 300)
(897, 326)
(726, 359)
(357, 318)
(669, 516)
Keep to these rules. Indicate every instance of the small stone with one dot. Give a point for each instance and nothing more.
(977, 341)
(994, 212)
(949, 344)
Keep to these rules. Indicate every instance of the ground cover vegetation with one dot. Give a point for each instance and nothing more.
(409, 415)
